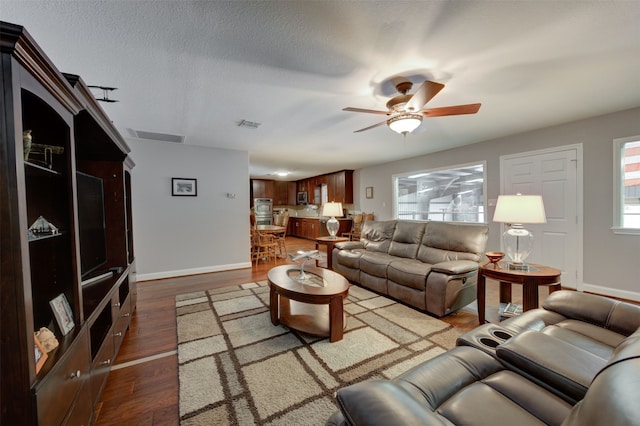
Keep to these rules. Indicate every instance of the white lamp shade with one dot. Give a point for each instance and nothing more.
(332, 209)
(405, 123)
(520, 209)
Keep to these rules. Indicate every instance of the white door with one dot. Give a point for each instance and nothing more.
(554, 175)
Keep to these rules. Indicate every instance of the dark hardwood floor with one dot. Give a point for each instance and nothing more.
(142, 388)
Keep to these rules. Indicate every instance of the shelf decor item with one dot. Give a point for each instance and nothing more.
(42, 226)
(40, 354)
(47, 339)
(45, 154)
(26, 143)
(515, 210)
(63, 313)
(183, 187)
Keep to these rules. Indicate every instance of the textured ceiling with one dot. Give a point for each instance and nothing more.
(197, 68)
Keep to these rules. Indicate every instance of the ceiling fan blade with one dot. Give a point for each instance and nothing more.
(423, 95)
(451, 110)
(370, 127)
(370, 111)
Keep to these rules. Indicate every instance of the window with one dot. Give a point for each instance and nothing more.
(626, 185)
(452, 195)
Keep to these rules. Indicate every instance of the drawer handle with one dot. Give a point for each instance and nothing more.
(107, 362)
(118, 334)
(116, 305)
(126, 315)
(75, 375)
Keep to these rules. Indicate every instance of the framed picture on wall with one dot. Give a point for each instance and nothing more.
(183, 187)
(369, 192)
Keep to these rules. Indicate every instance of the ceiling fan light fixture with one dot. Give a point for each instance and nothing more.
(404, 123)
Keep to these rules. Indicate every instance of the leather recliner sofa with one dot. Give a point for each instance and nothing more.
(574, 362)
(430, 265)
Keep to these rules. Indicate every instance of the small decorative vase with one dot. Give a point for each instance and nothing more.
(26, 143)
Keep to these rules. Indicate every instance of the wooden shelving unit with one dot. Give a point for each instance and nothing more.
(72, 134)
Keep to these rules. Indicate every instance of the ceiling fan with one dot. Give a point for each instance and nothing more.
(404, 110)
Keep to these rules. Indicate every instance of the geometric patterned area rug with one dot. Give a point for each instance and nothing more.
(236, 368)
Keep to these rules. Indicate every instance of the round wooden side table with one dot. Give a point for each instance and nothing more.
(536, 276)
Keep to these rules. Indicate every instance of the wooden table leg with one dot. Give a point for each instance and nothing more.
(317, 248)
(329, 255)
(505, 292)
(481, 297)
(274, 302)
(530, 294)
(336, 319)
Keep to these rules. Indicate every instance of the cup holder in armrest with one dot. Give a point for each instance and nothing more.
(501, 334)
(486, 337)
(489, 342)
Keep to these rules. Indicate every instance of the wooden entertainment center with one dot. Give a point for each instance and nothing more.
(71, 139)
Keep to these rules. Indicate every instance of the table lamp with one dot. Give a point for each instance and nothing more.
(515, 210)
(332, 209)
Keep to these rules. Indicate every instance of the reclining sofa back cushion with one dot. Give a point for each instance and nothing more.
(619, 317)
(406, 239)
(376, 235)
(443, 242)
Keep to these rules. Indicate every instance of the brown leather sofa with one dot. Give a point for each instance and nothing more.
(574, 362)
(431, 265)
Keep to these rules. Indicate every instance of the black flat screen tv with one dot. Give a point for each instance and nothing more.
(91, 224)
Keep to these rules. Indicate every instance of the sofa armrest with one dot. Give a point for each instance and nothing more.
(383, 402)
(455, 267)
(349, 245)
(620, 317)
(551, 361)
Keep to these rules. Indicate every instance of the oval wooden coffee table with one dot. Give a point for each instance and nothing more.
(298, 304)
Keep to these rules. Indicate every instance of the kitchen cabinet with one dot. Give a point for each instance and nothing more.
(284, 193)
(303, 227)
(312, 228)
(339, 187)
(71, 137)
(261, 188)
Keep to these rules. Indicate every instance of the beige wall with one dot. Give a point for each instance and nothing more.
(176, 236)
(611, 263)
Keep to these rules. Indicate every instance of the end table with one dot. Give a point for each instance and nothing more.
(536, 276)
(329, 242)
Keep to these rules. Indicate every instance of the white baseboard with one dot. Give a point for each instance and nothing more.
(192, 271)
(608, 291)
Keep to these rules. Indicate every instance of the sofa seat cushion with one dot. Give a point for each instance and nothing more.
(504, 398)
(374, 263)
(597, 340)
(348, 258)
(462, 386)
(408, 272)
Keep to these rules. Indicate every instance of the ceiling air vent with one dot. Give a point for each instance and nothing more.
(152, 136)
(248, 124)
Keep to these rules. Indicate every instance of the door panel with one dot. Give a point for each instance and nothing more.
(554, 176)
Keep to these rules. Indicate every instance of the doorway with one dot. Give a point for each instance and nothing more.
(556, 174)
